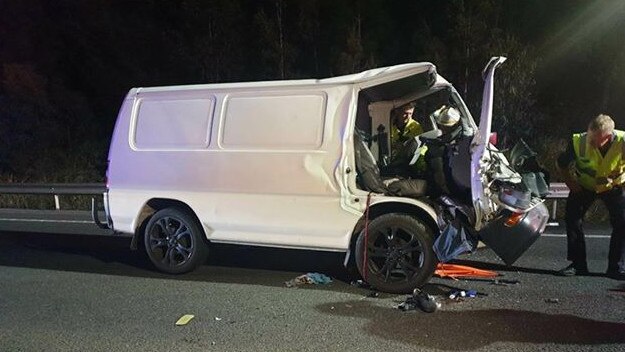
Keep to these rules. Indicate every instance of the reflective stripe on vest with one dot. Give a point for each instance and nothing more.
(598, 172)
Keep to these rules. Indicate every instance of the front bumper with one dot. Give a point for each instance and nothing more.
(509, 243)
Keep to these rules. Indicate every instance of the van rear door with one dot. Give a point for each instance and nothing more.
(481, 140)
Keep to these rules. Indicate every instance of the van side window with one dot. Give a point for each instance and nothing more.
(269, 122)
(173, 124)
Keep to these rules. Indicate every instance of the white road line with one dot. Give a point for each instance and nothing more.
(564, 235)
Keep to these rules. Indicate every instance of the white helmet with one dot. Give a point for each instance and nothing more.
(446, 116)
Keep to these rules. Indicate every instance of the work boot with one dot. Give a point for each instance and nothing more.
(573, 270)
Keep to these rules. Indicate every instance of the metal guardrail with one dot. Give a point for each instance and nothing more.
(557, 190)
(56, 189)
(53, 188)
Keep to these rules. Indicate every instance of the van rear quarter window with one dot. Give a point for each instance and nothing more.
(274, 122)
(173, 124)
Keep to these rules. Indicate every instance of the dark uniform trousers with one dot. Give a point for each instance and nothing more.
(576, 207)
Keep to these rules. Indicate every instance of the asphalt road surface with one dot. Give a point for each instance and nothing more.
(86, 293)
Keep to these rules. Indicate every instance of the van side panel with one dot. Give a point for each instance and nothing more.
(257, 167)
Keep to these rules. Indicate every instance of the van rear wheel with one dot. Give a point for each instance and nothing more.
(175, 241)
(398, 255)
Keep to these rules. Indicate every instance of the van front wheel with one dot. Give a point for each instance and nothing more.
(398, 255)
(174, 241)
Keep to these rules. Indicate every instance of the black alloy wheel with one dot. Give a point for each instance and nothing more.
(399, 254)
(174, 241)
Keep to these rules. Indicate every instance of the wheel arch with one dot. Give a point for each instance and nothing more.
(152, 206)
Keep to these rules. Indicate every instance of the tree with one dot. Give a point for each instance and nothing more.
(309, 27)
(353, 58)
(276, 50)
(207, 37)
(514, 107)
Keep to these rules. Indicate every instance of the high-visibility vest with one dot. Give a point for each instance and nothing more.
(596, 172)
(411, 130)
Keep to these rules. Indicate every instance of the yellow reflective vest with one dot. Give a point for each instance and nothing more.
(596, 172)
(411, 130)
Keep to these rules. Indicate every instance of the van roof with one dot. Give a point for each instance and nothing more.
(376, 76)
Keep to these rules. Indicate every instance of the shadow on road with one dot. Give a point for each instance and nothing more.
(474, 329)
(112, 256)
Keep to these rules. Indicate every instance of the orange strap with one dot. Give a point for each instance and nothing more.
(455, 271)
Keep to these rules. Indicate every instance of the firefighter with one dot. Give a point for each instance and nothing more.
(593, 167)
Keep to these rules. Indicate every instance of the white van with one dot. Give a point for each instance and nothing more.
(274, 164)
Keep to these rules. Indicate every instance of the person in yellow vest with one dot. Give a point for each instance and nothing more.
(593, 167)
(403, 130)
(404, 127)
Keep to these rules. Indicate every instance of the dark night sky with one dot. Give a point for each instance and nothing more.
(66, 65)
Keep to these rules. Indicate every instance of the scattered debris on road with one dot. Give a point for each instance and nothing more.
(309, 279)
(462, 294)
(360, 283)
(420, 300)
(185, 319)
(373, 294)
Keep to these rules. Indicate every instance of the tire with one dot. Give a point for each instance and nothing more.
(399, 253)
(174, 241)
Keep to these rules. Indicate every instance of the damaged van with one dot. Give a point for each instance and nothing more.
(305, 164)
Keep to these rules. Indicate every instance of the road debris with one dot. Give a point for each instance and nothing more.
(360, 283)
(309, 279)
(419, 300)
(463, 294)
(552, 300)
(373, 294)
(185, 319)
